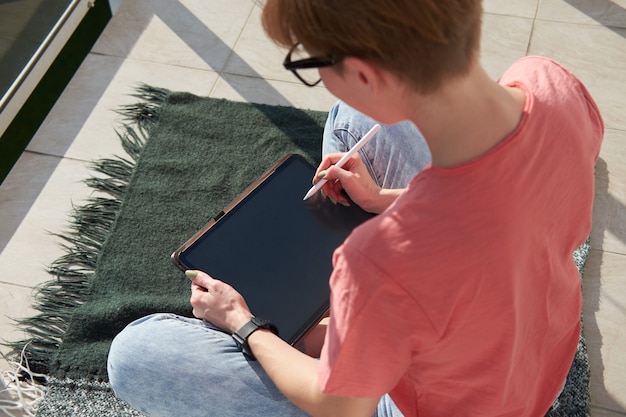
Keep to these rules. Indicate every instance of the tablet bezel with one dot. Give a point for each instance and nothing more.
(322, 310)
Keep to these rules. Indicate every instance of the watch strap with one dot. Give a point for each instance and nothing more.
(255, 323)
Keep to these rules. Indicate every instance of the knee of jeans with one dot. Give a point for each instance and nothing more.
(119, 363)
(126, 352)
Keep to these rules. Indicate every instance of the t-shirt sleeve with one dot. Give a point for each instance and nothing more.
(369, 343)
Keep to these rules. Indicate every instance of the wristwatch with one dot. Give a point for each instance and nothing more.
(241, 336)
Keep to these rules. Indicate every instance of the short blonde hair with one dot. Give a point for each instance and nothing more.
(422, 42)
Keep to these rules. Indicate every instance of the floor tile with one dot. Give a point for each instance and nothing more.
(32, 247)
(504, 40)
(604, 312)
(257, 90)
(609, 212)
(189, 33)
(519, 8)
(15, 303)
(597, 55)
(599, 12)
(81, 124)
(20, 190)
(255, 55)
(600, 412)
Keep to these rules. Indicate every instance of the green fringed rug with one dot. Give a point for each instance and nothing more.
(189, 157)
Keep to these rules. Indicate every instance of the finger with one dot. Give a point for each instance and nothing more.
(198, 313)
(200, 278)
(328, 161)
(333, 190)
(339, 180)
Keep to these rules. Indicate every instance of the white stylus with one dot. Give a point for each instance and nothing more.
(369, 135)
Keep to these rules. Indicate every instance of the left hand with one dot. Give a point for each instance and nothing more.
(217, 302)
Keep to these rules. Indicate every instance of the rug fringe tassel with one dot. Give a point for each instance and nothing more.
(20, 391)
(144, 112)
(90, 225)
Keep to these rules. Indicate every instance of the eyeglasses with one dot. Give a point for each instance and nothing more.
(305, 66)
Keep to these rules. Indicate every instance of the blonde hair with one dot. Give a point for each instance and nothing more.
(423, 42)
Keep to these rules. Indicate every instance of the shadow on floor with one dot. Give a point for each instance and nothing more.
(592, 300)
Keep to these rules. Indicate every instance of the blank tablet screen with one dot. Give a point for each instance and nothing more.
(276, 249)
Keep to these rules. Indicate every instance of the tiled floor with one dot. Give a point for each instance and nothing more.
(217, 48)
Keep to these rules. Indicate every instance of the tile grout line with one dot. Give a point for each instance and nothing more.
(149, 61)
(532, 28)
(60, 157)
(609, 252)
(21, 286)
(221, 72)
(618, 412)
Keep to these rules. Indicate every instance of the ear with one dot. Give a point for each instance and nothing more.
(364, 74)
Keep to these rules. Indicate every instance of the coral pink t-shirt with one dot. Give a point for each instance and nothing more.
(463, 298)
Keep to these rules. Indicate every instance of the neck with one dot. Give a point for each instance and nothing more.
(467, 117)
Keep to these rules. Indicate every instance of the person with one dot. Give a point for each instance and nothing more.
(461, 297)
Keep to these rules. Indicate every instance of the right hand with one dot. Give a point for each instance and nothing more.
(217, 302)
(353, 178)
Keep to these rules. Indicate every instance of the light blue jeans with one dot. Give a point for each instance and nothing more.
(394, 156)
(167, 365)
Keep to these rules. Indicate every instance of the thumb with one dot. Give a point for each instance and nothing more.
(338, 180)
(199, 278)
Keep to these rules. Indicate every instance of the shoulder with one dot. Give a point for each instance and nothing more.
(537, 69)
(549, 81)
(555, 93)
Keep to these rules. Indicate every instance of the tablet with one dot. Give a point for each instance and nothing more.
(274, 248)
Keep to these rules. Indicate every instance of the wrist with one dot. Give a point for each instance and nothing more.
(239, 322)
(251, 326)
(384, 198)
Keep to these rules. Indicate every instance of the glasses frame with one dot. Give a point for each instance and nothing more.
(307, 63)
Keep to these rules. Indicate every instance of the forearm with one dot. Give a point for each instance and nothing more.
(295, 375)
(293, 372)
